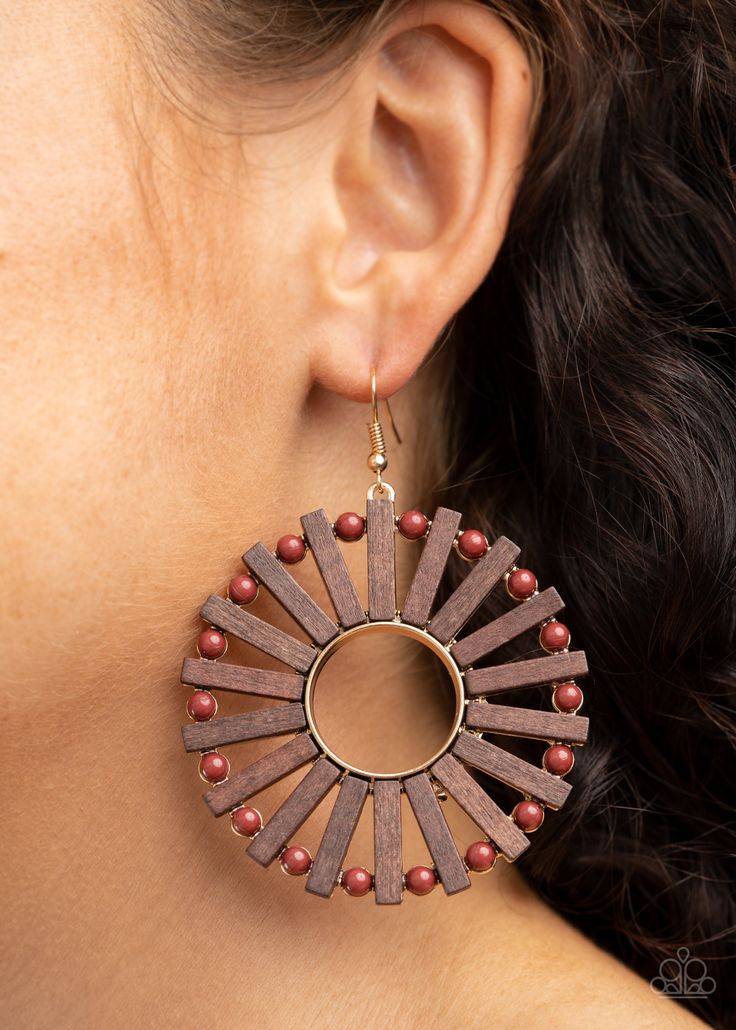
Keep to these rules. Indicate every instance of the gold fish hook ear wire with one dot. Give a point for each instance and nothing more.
(377, 459)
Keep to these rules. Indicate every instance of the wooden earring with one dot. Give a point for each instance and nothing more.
(476, 685)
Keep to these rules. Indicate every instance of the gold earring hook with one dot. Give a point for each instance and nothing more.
(377, 460)
(374, 406)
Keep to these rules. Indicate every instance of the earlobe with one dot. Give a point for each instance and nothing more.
(425, 173)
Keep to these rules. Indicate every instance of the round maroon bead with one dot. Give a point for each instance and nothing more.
(350, 526)
(211, 643)
(290, 548)
(558, 759)
(213, 767)
(243, 589)
(413, 524)
(480, 856)
(567, 697)
(296, 860)
(521, 584)
(421, 879)
(356, 882)
(246, 821)
(201, 705)
(472, 544)
(554, 636)
(528, 815)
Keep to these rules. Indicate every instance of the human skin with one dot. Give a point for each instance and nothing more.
(189, 321)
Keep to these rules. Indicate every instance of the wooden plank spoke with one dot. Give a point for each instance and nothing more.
(290, 595)
(231, 619)
(333, 568)
(530, 673)
(381, 565)
(261, 774)
(506, 627)
(388, 875)
(473, 590)
(295, 810)
(423, 590)
(481, 808)
(423, 800)
(200, 672)
(526, 722)
(337, 836)
(501, 765)
(200, 736)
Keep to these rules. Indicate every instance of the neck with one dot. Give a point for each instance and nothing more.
(110, 816)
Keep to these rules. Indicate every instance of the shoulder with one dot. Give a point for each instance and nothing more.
(583, 985)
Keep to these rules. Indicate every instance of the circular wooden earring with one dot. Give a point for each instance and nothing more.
(476, 681)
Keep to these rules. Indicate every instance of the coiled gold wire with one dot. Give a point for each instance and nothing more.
(378, 444)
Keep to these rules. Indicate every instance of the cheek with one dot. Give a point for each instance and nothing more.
(66, 182)
(60, 249)
(128, 440)
(66, 283)
(132, 411)
(81, 518)
(85, 393)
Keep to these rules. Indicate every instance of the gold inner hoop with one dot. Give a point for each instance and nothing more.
(400, 629)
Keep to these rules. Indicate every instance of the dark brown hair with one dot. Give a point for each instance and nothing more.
(591, 417)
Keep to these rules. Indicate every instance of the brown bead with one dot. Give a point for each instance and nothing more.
(350, 526)
(296, 861)
(246, 821)
(201, 706)
(528, 815)
(567, 697)
(521, 584)
(480, 857)
(558, 759)
(421, 880)
(356, 882)
(413, 524)
(472, 544)
(290, 548)
(211, 643)
(213, 767)
(242, 589)
(554, 636)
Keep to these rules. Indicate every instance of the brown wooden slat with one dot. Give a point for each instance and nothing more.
(423, 800)
(228, 617)
(337, 836)
(530, 673)
(295, 810)
(473, 590)
(423, 590)
(200, 672)
(388, 875)
(482, 809)
(333, 568)
(261, 774)
(381, 565)
(511, 624)
(201, 736)
(501, 765)
(290, 595)
(526, 722)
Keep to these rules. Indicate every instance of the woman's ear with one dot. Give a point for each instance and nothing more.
(427, 149)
